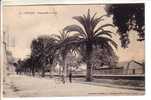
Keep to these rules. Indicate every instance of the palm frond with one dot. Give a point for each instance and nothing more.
(101, 27)
(95, 21)
(83, 21)
(89, 16)
(75, 28)
(93, 18)
(102, 40)
(88, 21)
(56, 37)
(80, 19)
(109, 48)
(106, 33)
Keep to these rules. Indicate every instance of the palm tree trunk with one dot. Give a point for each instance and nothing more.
(64, 69)
(64, 72)
(89, 65)
(33, 71)
(67, 70)
(50, 71)
(89, 72)
(59, 70)
(43, 72)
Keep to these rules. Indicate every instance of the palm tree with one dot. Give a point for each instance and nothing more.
(63, 46)
(90, 36)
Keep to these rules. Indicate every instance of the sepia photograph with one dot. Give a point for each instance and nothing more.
(53, 50)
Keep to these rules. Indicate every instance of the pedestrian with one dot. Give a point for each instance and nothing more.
(70, 77)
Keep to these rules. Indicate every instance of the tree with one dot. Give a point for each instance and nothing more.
(42, 52)
(64, 45)
(28, 65)
(101, 57)
(89, 36)
(73, 61)
(128, 17)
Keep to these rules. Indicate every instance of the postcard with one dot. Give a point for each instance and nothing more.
(73, 49)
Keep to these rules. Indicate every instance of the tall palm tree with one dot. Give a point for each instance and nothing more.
(63, 46)
(91, 36)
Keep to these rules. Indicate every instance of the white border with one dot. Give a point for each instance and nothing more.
(1, 51)
(34, 2)
(148, 47)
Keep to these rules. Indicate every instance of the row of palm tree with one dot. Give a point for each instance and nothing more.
(82, 39)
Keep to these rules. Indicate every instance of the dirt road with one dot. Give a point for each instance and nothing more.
(25, 86)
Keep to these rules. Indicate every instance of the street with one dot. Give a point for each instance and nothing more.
(27, 86)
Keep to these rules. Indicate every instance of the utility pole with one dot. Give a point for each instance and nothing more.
(5, 62)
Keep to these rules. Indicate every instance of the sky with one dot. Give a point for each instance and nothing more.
(24, 23)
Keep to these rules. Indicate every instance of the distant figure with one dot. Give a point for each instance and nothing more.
(70, 77)
(17, 69)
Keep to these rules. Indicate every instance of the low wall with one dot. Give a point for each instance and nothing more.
(128, 77)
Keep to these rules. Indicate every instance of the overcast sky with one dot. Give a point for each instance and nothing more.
(24, 23)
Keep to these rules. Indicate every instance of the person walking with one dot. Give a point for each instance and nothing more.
(70, 77)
